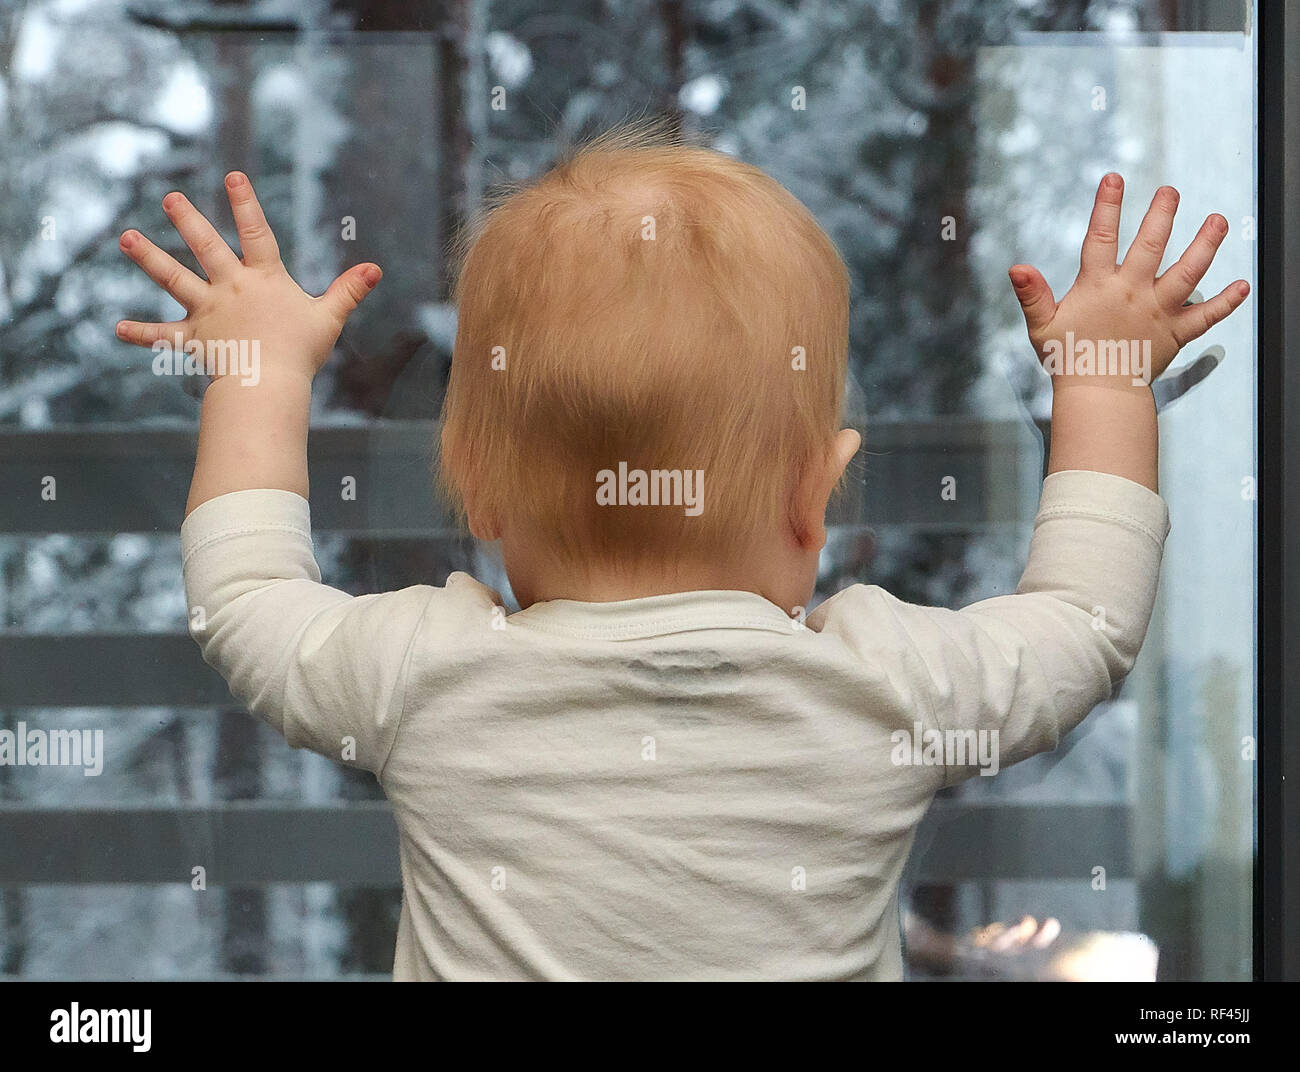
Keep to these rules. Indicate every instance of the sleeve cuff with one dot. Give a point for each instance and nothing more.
(1107, 497)
(239, 513)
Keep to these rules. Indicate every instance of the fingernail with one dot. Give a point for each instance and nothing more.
(172, 200)
(236, 178)
(1113, 179)
(120, 330)
(371, 274)
(127, 239)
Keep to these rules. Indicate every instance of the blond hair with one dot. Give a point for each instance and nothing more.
(652, 303)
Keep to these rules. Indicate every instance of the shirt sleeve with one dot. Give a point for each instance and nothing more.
(1027, 667)
(325, 669)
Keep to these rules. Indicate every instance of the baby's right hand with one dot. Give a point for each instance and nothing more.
(1119, 303)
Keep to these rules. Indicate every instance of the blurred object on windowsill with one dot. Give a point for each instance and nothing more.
(1027, 951)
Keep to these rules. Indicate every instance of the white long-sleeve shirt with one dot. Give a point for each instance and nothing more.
(688, 786)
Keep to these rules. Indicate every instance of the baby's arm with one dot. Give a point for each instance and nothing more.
(326, 669)
(1026, 668)
(1009, 676)
(253, 430)
(1102, 421)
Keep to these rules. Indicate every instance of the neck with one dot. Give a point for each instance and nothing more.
(783, 579)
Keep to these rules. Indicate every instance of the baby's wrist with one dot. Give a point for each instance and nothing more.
(1136, 386)
(1079, 357)
(1108, 428)
(289, 381)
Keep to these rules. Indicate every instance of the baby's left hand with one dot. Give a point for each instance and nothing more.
(253, 299)
(1117, 303)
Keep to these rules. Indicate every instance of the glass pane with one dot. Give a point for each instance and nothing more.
(1055, 113)
(937, 144)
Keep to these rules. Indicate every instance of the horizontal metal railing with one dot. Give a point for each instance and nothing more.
(112, 479)
(115, 479)
(355, 844)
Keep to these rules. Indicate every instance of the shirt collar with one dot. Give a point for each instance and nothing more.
(651, 616)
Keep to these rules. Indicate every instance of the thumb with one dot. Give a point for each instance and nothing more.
(350, 288)
(1034, 295)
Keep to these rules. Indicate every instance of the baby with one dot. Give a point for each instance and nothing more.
(658, 769)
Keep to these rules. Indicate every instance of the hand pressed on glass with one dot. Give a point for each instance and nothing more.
(1118, 328)
(253, 299)
(1113, 305)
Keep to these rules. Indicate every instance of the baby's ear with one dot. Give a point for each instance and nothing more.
(847, 443)
(481, 527)
(815, 493)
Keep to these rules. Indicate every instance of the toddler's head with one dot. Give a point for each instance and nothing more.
(648, 375)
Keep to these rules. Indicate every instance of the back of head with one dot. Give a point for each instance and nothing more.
(653, 304)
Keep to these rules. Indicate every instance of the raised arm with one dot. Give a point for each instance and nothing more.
(1024, 669)
(322, 667)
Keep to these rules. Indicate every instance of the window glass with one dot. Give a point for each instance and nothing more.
(937, 144)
